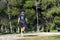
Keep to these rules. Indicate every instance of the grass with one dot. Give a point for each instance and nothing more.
(43, 38)
(54, 30)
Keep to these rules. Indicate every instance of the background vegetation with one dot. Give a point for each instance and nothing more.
(48, 15)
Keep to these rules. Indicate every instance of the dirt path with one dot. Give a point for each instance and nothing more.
(26, 35)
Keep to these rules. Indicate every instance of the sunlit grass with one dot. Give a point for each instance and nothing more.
(43, 38)
(54, 30)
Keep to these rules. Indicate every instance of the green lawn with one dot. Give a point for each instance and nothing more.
(54, 30)
(43, 38)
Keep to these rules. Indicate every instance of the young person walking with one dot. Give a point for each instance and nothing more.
(22, 21)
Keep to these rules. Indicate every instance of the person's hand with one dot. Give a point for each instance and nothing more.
(18, 22)
(26, 20)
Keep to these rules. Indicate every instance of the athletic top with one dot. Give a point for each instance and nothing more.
(22, 18)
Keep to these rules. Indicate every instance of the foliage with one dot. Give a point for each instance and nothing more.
(48, 9)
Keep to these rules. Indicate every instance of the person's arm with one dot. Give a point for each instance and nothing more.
(26, 19)
(18, 19)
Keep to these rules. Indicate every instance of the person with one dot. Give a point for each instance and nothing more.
(22, 21)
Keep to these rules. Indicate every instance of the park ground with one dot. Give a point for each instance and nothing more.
(43, 38)
(31, 36)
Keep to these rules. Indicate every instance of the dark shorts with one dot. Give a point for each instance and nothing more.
(22, 24)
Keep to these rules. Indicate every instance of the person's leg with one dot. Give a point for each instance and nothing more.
(22, 30)
(23, 27)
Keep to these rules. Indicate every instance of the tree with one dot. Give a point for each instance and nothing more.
(48, 13)
(49, 10)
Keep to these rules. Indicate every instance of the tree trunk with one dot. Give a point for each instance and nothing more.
(10, 27)
(37, 15)
(5, 29)
(18, 30)
(42, 28)
(9, 19)
(2, 28)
